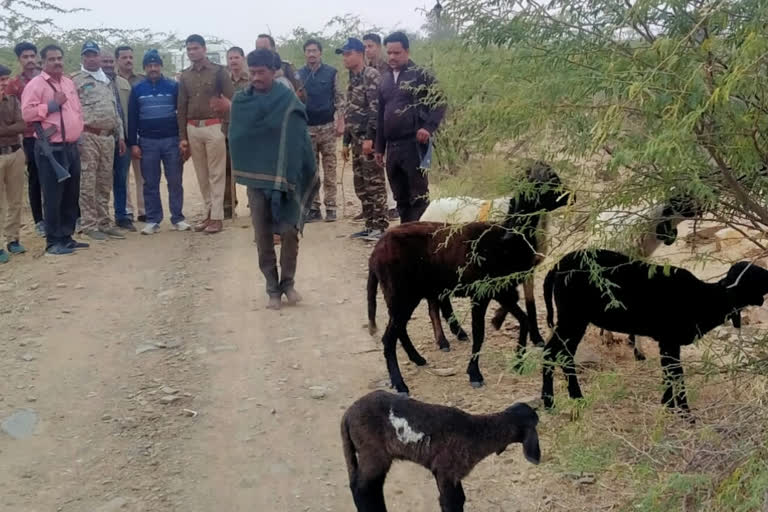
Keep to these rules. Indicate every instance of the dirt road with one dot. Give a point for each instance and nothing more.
(146, 375)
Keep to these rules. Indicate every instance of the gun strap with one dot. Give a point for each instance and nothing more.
(61, 117)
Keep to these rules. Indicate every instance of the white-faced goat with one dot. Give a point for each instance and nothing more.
(425, 260)
(614, 292)
(380, 428)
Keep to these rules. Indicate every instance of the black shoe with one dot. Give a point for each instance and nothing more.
(73, 244)
(142, 218)
(361, 234)
(58, 250)
(313, 216)
(126, 224)
(330, 215)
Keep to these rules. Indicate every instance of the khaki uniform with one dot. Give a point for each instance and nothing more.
(103, 127)
(202, 127)
(12, 160)
(135, 164)
(360, 116)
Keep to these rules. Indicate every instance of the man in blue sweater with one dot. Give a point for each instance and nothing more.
(153, 135)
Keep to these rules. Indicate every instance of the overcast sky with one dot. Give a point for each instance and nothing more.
(239, 21)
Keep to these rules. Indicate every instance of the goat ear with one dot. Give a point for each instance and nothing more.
(531, 449)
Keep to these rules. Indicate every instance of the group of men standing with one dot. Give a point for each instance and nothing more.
(80, 135)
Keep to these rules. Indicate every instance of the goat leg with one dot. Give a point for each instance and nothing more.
(437, 326)
(639, 356)
(452, 496)
(479, 307)
(498, 317)
(674, 384)
(453, 323)
(530, 308)
(389, 340)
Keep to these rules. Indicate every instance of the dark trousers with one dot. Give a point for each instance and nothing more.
(154, 151)
(60, 200)
(410, 186)
(121, 164)
(229, 203)
(261, 217)
(33, 181)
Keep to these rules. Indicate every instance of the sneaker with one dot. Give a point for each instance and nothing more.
(40, 229)
(15, 247)
(313, 216)
(95, 234)
(58, 250)
(113, 233)
(4, 257)
(360, 234)
(151, 228)
(126, 224)
(141, 218)
(72, 244)
(330, 215)
(374, 235)
(182, 226)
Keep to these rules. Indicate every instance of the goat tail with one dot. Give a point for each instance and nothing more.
(350, 452)
(373, 286)
(549, 285)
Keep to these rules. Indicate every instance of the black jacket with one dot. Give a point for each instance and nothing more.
(406, 106)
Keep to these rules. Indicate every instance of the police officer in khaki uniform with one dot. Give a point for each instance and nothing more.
(103, 129)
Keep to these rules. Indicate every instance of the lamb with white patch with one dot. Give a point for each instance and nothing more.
(381, 427)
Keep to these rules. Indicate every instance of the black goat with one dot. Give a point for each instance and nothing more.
(380, 428)
(673, 307)
(425, 260)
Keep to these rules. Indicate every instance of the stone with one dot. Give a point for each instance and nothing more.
(444, 372)
(79, 287)
(61, 285)
(169, 390)
(34, 286)
(114, 505)
(31, 399)
(169, 399)
(208, 288)
(27, 357)
(53, 298)
(145, 348)
(317, 392)
(21, 424)
(106, 417)
(585, 480)
(225, 348)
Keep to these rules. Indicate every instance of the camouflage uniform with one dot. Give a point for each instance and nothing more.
(97, 151)
(360, 116)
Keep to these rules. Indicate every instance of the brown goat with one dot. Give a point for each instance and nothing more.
(381, 427)
(427, 260)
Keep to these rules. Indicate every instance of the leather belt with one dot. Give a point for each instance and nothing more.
(100, 133)
(200, 123)
(9, 150)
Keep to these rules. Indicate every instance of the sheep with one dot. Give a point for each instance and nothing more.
(423, 260)
(380, 428)
(670, 305)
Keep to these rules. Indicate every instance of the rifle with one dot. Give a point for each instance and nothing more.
(45, 147)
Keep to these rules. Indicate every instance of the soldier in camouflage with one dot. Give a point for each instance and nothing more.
(103, 129)
(360, 116)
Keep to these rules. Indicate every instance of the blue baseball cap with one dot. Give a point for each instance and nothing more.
(352, 45)
(90, 46)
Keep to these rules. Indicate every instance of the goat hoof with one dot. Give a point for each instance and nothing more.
(462, 336)
(549, 402)
(496, 324)
(420, 362)
(639, 357)
(477, 384)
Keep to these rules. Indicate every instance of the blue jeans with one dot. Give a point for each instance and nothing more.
(153, 151)
(120, 183)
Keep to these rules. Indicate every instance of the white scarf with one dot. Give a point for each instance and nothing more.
(99, 75)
